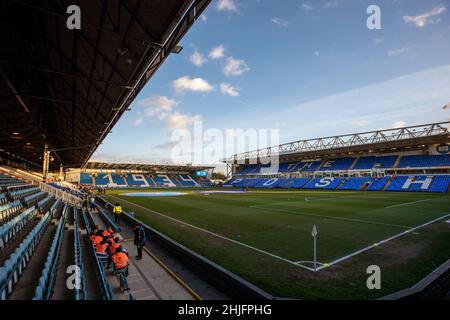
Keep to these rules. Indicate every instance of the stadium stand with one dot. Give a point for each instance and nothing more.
(337, 164)
(32, 235)
(136, 180)
(424, 161)
(324, 183)
(86, 179)
(141, 180)
(378, 184)
(118, 179)
(391, 181)
(430, 183)
(375, 162)
(356, 183)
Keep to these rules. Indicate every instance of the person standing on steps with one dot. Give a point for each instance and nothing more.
(117, 210)
(92, 203)
(139, 240)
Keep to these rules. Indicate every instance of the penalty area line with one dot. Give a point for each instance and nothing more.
(215, 234)
(327, 265)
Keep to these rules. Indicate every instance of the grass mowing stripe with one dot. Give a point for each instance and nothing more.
(215, 234)
(262, 207)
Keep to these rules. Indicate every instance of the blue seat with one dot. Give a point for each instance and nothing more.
(424, 161)
(324, 183)
(372, 162)
(356, 183)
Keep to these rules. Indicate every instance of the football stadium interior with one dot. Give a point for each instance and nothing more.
(371, 198)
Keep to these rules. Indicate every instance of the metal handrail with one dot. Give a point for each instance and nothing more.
(61, 194)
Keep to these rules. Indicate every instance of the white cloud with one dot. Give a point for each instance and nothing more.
(396, 52)
(227, 5)
(137, 122)
(306, 7)
(360, 123)
(203, 17)
(178, 120)
(167, 145)
(332, 4)
(317, 53)
(430, 17)
(235, 67)
(280, 22)
(399, 124)
(378, 40)
(228, 89)
(161, 108)
(217, 52)
(185, 83)
(157, 104)
(198, 59)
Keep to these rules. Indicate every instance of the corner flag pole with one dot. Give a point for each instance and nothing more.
(314, 234)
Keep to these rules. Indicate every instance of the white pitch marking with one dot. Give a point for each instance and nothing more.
(215, 234)
(407, 203)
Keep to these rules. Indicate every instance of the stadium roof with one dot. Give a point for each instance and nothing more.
(68, 88)
(143, 167)
(389, 140)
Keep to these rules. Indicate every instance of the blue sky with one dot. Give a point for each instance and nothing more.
(306, 68)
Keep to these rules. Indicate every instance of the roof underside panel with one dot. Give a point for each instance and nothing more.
(67, 87)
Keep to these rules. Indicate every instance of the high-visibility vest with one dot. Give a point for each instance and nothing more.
(117, 209)
(120, 260)
(96, 240)
(101, 248)
(113, 247)
(106, 233)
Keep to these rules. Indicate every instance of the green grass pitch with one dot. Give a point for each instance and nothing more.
(265, 235)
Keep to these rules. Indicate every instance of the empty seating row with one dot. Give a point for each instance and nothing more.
(378, 184)
(324, 183)
(3, 198)
(80, 291)
(44, 289)
(22, 193)
(10, 210)
(44, 202)
(9, 230)
(13, 268)
(374, 162)
(356, 183)
(424, 161)
(34, 198)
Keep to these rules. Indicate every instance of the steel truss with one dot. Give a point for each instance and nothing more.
(388, 136)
